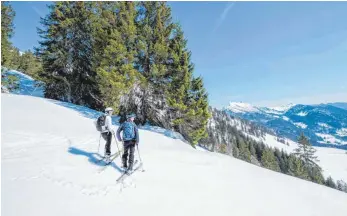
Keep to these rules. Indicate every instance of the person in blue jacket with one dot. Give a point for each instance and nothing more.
(130, 138)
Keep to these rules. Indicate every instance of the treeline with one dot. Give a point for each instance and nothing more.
(11, 57)
(301, 163)
(127, 55)
(226, 135)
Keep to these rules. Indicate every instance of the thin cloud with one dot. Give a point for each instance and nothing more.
(40, 13)
(223, 15)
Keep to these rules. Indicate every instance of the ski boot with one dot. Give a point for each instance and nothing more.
(107, 159)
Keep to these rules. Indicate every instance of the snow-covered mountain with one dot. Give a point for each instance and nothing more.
(49, 167)
(324, 124)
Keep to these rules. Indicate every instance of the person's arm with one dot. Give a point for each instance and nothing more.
(108, 123)
(137, 135)
(120, 128)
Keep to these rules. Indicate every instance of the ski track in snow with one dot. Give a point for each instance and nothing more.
(49, 155)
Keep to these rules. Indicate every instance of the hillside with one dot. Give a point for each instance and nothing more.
(324, 124)
(223, 129)
(48, 168)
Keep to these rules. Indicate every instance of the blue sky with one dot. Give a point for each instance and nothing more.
(264, 53)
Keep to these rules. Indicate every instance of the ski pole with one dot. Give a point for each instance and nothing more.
(138, 152)
(115, 138)
(99, 142)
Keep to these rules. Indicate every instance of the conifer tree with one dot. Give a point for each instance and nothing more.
(297, 168)
(269, 161)
(306, 152)
(7, 31)
(116, 72)
(330, 182)
(67, 53)
(30, 64)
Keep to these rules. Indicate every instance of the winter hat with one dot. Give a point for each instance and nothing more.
(131, 116)
(108, 109)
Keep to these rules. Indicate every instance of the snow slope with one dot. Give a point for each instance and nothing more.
(333, 161)
(48, 168)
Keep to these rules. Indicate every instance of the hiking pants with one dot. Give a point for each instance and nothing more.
(129, 149)
(108, 137)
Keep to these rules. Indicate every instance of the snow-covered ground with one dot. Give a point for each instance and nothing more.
(239, 107)
(300, 124)
(302, 114)
(49, 153)
(342, 132)
(27, 85)
(327, 138)
(333, 161)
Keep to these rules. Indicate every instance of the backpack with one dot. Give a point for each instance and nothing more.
(100, 122)
(128, 131)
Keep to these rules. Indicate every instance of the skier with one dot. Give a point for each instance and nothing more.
(130, 139)
(107, 132)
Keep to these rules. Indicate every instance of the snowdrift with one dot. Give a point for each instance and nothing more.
(49, 154)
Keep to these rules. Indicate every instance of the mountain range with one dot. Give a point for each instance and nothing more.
(324, 124)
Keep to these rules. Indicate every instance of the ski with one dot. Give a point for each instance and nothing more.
(127, 173)
(103, 157)
(112, 159)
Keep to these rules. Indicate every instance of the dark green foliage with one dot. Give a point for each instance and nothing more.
(30, 64)
(315, 174)
(342, 186)
(269, 161)
(223, 149)
(330, 182)
(9, 83)
(9, 54)
(115, 35)
(297, 167)
(244, 153)
(7, 31)
(127, 55)
(67, 53)
(306, 152)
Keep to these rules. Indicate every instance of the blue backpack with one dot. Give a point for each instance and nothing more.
(128, 131)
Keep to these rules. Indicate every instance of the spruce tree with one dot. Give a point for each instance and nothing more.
(7, 31)
(306, 152)
(67, 53)
(342, 186)
(30, 64)
(243, 153)
(115, 33)
(269, 161)
(297, 168)
(330, 182)
(315, 174)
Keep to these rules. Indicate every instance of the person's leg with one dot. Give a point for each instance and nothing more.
(131, 156)
(104, 136)
(108, 144)
(125, 154)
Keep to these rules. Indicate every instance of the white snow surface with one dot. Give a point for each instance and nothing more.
(285, 118)
(302, 113)
(330, 139)
(300, 124)
(342, 132)
(283, 108)
(324, 125)
(239, 107)
(333, 161)
(48, 168)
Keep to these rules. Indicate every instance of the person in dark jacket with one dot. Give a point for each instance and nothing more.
(130, 138)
